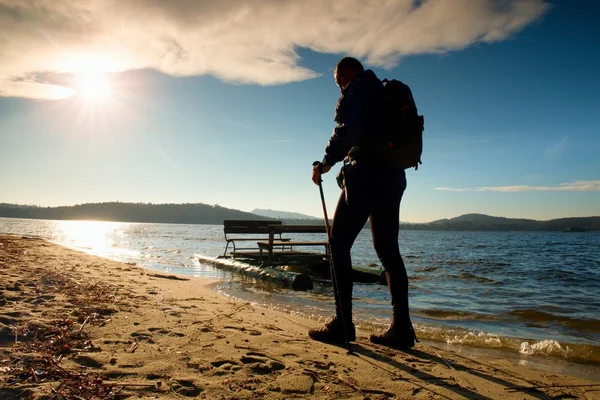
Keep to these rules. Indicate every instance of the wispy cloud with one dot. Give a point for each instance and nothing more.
(447, 189)
(575, 186)
(236, 40)
(279, 141)
(556, 150)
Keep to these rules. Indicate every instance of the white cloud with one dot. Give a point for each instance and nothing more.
(236, 40)
(575, 186)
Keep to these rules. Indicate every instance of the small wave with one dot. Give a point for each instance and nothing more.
(427, 269)
(546, 347)
(456, 315)
(477, 263)
(579, 324)
(566, 276)
(501, 264)
(581, 353)
(480, 339)
(480, 279)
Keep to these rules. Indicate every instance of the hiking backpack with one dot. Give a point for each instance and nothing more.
(398, 141)
(402, 127)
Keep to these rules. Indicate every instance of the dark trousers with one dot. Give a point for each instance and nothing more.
(374, 194)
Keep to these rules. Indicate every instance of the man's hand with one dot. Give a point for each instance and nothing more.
(316, 172)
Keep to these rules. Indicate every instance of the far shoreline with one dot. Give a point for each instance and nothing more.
(202, 214)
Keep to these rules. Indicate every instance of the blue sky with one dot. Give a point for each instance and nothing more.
(91, 113)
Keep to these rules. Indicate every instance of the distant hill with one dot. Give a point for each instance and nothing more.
(198, 213)
(281, 214)
(481, 222)
(482, 219)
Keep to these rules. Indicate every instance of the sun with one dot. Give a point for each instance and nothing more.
(93, 87)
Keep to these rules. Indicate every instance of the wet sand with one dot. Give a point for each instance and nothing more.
(74, 325)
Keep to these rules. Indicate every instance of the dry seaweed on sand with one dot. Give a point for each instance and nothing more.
(38, 348)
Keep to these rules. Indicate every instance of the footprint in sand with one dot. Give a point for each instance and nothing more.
(7, 320)
(105, 311)
(224, 366)
(219, 363)
(17, 314)
(137, 365)
(321, 365)
(15, 393)
(295, 383)
(87, 361)
(116, 342)
(39, 299)
(273, 328)
(185, 387)
(141, 335)
(261, 364)
(166, 332)
(27, 283)
(6, 334)
(289, 341)
(417, 360)
(251, 332)
(117, 374)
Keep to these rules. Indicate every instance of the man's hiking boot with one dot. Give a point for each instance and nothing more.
(397, 339)
(333, 332)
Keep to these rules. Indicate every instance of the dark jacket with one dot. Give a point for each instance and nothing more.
(358, 114)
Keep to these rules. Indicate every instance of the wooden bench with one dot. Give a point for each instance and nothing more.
(247, 228)
(272, 244)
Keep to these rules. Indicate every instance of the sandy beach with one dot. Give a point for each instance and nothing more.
(76, 326)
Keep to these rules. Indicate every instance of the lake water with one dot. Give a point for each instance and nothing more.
(529, 293)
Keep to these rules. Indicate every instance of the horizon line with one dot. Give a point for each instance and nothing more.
(249, 212)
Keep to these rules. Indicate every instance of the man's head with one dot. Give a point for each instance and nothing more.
(346, 70)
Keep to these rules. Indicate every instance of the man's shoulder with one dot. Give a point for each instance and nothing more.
(366, 84)
(370, 74)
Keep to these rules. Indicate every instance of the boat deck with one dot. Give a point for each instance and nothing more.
(277, 259)
(281, 256)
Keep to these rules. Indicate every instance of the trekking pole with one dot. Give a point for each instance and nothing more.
(333, 273)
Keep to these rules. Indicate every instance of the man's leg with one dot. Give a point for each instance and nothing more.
(384, 227)
(348, 221)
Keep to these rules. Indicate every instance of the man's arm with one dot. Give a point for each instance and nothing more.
(347, 133)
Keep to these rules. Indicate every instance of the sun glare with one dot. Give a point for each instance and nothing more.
(94, 87)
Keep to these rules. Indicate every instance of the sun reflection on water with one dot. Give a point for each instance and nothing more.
(96, 237)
